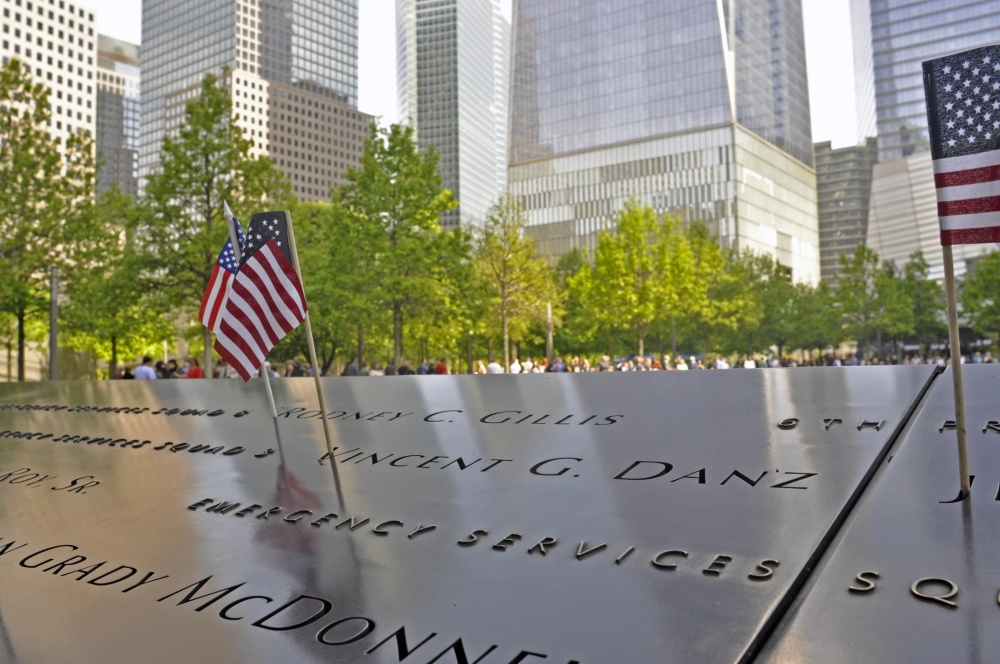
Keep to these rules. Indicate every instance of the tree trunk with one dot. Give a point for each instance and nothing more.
(468, 354)
(506, 341)
(20, 345)
(114, 357)
(361, 347)
(206, 337)
(673, 337)
(642, 343)
(397, 331)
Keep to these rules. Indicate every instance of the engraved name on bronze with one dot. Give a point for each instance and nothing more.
(28, 477)
(506, 417)
(710, 564)
(236, 603)
(931, 589)
(829, 423)
(123, 443)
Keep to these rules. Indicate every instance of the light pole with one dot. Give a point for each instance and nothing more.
(54, 323)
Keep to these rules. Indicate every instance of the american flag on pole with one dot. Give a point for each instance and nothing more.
(266, 301)
(220, 282)
(963, 113)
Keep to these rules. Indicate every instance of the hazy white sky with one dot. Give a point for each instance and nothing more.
(828, 54)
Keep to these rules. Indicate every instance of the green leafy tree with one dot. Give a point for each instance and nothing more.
(207, 162)
(108, 312)
(46, 198)
(981, 296)
(927, 299)
(857, 295)
(622, 290)
(518, 282)
(577, 331)
(872, 299)
(895, 308)
(720, 302)
(397, 196)
(776, 296)
(817, 319)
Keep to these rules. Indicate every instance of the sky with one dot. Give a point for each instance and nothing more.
(828, 57)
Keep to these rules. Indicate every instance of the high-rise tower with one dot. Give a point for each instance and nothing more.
(57, 44)
(292, 71)
(452, 69)
(117, 115)
(903, 215)
(905, 33)
(698, 108)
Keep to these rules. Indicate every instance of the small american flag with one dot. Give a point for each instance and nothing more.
(220, 282)
(963, 113)
(266, 301)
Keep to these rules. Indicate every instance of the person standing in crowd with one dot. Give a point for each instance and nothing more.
(376, 369)
(423, 368)
(351, 369)
(441, 368)
(494, 367)
(515, 367)
(145, 370)
(405, 369)
(193, 369)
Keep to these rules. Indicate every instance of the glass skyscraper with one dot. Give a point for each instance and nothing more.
(906, 32)
(117, 139)
(293, 75)
(452, 72)
(903, 214)
(697, 108)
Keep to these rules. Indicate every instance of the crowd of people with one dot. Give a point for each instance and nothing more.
(147, 370)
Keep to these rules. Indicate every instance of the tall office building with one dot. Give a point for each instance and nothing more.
(864, 71)
(117, 115)
(904, 33)
(292, 72)
(843, 183)
(56, 40)
(698, 108)
(452, 71)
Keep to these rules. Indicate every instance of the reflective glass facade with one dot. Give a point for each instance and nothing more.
(117, 139)
(698, 108)
(452, 60)
(905, 33)
(903, 217)
(589, 73)
(293, 79)
(844, 183)
(864, 73)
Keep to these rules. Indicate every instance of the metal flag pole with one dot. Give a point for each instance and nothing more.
(956, 371)
(315, 364)
(263, 367)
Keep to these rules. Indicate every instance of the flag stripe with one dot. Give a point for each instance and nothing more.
(289, 295)
(967, 162)
(967, 177)
(971, 235)
(220, 303)
(968, 221)
(211, 292)
(257, 281)
(969, 206)
(241, 312)
(266, 302)
(969, 191)
(232, 350)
